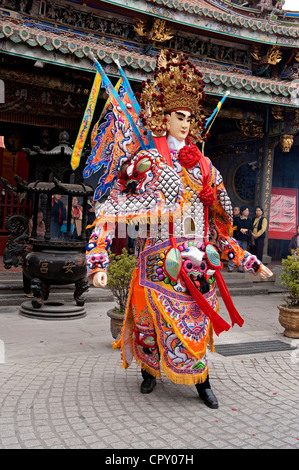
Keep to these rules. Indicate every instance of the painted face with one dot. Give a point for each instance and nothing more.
(134, 175)
(178, 124)
(195, 266)
(236, 211)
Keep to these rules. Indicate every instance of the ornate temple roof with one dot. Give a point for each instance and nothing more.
(247, 47)
(257, 20)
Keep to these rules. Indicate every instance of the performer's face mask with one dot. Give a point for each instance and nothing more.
(178, 124)
(135, 174)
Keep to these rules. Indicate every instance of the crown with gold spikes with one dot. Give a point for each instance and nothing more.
(178, 85)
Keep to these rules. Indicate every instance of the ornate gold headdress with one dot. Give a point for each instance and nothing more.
(177, 85)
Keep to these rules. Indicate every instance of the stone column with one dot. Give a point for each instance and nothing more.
(266, 190)
(264, 181)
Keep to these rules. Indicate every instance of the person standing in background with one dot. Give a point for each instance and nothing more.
(40, 226)
(76, 219)
(259, 228)
(244, 226)
(58, 215)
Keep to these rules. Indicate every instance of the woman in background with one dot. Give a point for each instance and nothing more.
(259, 228)
(244, 226)
(76, 218)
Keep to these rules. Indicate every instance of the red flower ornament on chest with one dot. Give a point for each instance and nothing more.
(189, 156)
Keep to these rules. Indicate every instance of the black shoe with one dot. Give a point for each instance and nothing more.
(205, 393)
(149, 382)
(208, 397)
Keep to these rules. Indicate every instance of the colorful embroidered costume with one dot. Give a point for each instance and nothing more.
(178, 199)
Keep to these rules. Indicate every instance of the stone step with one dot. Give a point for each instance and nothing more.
(238, 276)
(9, 287)
(239, 284)
(94, 296)
(247, 284)
(11, 292)
(239, 291)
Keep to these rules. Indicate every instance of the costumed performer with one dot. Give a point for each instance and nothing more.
(185, 215)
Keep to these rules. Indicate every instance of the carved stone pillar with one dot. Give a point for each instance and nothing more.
(264, 183)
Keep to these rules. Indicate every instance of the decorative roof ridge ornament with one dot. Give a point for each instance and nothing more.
(286, 142)
(274, 55)
(160, 31)
(250, 128)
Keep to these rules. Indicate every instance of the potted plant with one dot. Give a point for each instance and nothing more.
(289, 313)
(119, 273)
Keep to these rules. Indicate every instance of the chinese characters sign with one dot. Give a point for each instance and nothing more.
(283, 213)
(41, 101)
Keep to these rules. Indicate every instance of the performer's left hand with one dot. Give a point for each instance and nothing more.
(265, 272)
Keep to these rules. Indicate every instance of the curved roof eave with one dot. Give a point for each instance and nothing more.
(206, 17)
(64, 49)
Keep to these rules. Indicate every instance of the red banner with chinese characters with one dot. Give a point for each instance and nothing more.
(283, 213)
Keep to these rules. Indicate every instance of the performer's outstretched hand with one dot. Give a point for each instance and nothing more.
(265, 272)
(100, 279)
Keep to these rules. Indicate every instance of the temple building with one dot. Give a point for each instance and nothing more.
(247, 50)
